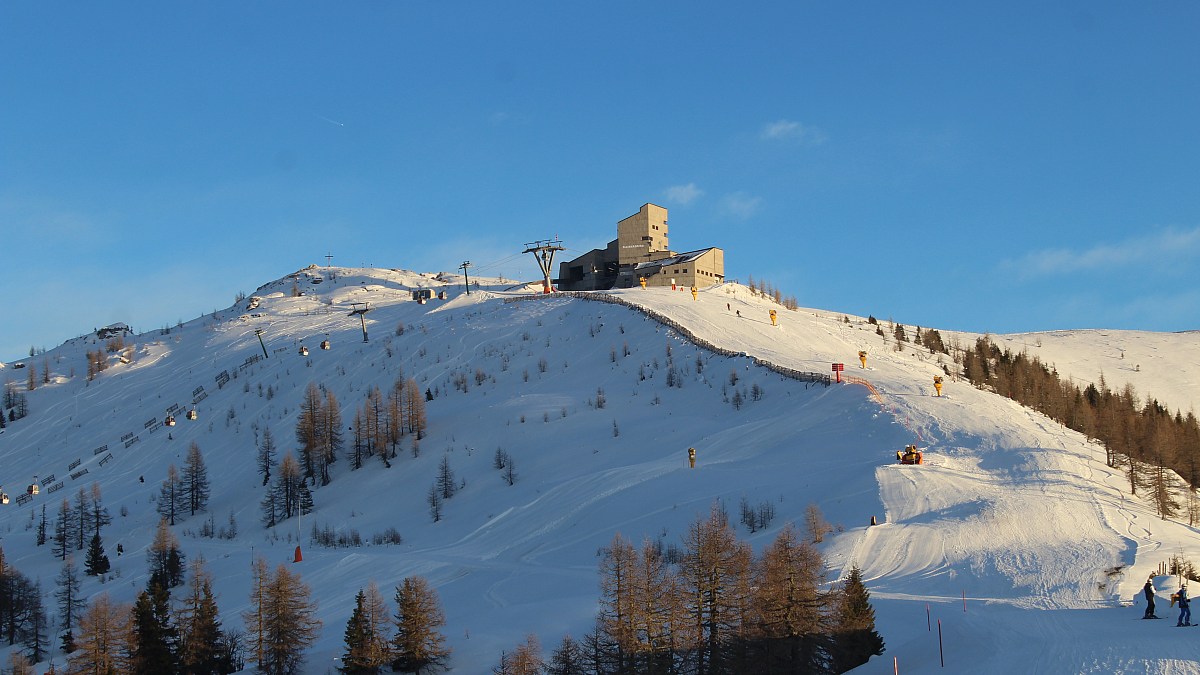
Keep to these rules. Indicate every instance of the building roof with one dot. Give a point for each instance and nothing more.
(674, 260)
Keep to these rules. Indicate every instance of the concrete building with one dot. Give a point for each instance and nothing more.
(641, 250)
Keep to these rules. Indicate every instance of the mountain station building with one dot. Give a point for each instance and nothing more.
(641, 251)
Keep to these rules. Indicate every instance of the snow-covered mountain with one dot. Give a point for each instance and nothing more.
(1014, 533)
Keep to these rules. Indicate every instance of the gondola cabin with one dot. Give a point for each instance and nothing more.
(170, 421)
(192, 414)
(303, 350)
(325, 344)
(32, 489)
(3, 498)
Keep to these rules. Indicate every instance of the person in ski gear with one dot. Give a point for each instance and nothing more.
(1185, 612)
(1149, 591)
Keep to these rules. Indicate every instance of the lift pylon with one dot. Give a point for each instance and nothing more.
(543, 252)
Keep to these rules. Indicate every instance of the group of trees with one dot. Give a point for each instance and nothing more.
(417, 646)
(383, 422)
(187, 492)
(155, 636)
(78, 525)
(1145, 439)
(15, 405)
(22, 615)
(718, 610)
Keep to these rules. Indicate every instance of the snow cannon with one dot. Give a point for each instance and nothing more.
(642, 281)
(910, 455)
(774, 318)
(937, 384)
(862, 356)
(695, 293)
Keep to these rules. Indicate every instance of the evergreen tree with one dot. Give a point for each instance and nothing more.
(567, 659)
(854, 637)
(367, 648)
(155, 640)
(165, 559)
(200, 627)
(70, 602)
(195, 480)
(83, 517)
(419, 646)
(96, 561)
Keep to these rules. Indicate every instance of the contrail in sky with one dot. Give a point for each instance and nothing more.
(330, 121)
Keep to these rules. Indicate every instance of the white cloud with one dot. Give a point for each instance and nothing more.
(794, 131)
(740, 206)
(683, 194)
(1149, 250)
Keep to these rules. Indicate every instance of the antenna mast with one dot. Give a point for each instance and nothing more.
(543, 252)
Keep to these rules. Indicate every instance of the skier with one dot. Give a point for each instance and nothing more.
(1185, 612)
(1149, 591)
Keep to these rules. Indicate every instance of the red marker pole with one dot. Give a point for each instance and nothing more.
(941, 654)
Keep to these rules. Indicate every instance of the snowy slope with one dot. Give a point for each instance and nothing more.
(1011, 511)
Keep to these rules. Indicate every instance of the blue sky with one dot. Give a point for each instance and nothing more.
(1010, 167)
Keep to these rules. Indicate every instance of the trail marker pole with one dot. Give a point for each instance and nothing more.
(964, 601)
(928, 623)
(941, 653)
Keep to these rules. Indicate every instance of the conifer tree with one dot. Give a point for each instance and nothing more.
(64, 530)
(357, 637)
(789, 628)
(284, 620)
(195, 480)
(854, 637)
(165, 559)
(567, 659)
(367, 644)
(155, 640)
(266, 455)
(199, 625)
(104, 641)
(715, 583)
(70, 602)
(419, 646)
(96, 562)
(170, 496)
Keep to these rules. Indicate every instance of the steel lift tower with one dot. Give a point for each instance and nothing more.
(543, 252)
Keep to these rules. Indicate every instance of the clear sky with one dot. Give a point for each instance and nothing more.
(994, 167)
